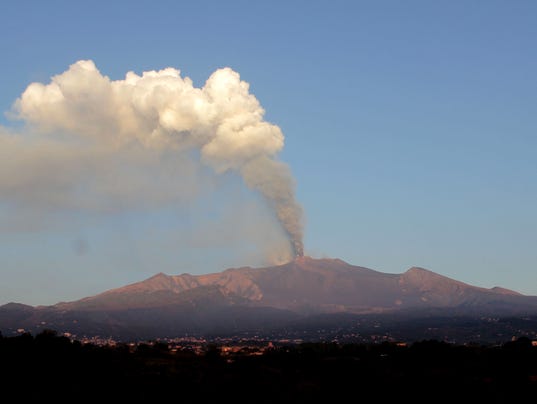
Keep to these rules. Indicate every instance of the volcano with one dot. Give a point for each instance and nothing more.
(267, 297)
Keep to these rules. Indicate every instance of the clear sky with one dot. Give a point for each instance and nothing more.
(410, 130)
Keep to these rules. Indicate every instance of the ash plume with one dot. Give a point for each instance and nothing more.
(82, 126)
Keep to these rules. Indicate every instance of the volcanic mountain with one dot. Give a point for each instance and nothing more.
(248, 297)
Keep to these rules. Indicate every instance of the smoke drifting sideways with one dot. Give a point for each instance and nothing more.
(82, 129)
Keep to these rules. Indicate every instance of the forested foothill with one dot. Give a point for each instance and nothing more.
(48, 366)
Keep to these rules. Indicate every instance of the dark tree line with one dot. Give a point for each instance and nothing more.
(52, 367)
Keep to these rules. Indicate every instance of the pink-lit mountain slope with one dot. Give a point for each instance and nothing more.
(303, 295)
(307, 285)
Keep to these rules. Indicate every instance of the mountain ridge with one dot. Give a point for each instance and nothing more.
(236, 298)
(415, 275)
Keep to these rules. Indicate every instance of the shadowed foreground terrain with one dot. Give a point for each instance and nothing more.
(48, 366)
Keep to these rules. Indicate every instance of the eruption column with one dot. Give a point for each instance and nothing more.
(162, 111)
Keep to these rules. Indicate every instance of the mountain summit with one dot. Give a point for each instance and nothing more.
(269, 295)
(306, 285)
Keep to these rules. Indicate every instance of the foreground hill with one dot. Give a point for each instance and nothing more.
(268, 298)
(426, 371)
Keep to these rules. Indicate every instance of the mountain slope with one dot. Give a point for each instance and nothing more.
(249, 298)
(307, 285)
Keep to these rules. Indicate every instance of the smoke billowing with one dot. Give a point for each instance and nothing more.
(88, 138)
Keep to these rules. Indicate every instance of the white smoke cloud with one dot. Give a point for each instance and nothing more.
(92, 143)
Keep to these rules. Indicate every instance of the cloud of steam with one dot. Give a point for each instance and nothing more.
(95, 143)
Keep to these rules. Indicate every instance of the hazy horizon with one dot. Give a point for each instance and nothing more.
(162, 137)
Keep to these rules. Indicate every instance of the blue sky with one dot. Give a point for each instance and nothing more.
(410, 129)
